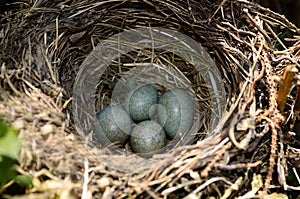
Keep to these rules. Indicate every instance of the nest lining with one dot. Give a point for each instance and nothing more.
(161, 70)
(54, 38)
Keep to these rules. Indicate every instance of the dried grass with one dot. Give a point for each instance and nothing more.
(44, 43)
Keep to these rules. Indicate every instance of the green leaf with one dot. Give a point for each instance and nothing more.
(7, 172)
(24, 180)
(3, 128)
(10, 145)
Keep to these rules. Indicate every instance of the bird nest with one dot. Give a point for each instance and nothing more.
(56, 76)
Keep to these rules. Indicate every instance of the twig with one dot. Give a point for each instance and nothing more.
(208, 182)
(85, 179)
(233, 187)
(275, 35)
(256, 185)
(209, 167)
(238, 166)
(179, 186)
(296, 174)
(275, 119)
(219, 7)
(259, 28)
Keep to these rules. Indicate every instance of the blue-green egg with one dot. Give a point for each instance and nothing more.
(139, 102)
(175, 112)
(113, 125)
(147, 138)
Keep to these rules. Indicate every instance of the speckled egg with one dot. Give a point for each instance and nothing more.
(147, 138)
(175, 111)
(113, 125)
(139, 102)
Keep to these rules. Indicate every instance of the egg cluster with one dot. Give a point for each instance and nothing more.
(146, 119)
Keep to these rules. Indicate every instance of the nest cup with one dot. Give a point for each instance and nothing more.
(162, 57)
